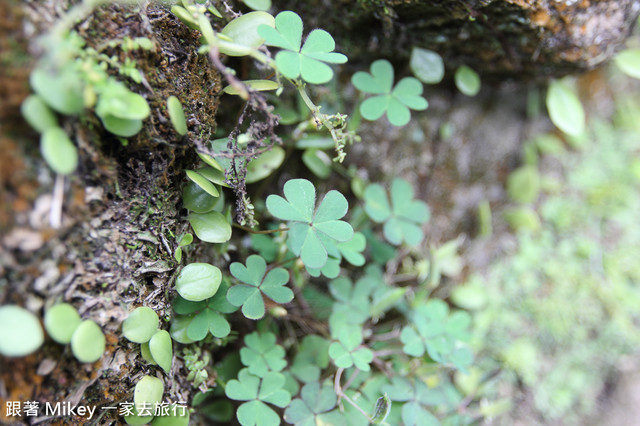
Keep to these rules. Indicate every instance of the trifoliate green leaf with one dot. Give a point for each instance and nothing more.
(313, 407)
(256, 282)
(307, 62)
(312, 235)
(402, 217)
(261, 354)
(395, 102)
(258, 393)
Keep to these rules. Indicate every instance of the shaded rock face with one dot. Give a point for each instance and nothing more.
(521, 39)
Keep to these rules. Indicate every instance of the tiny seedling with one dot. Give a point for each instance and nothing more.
(140, 325)
(211, 227)
(176, 115)
(261, 354)
(61, 321)
(120, 110)
(256, 282)
(308, 61)
(467, 81)
(258, 392)
(88, 342)
(427, 65)
(312, 235)
(198, 281)
(161, 349)
(183, 241)
(403, 217)
(314, 407)
(58, 151)
(395, 101)
(20, 331)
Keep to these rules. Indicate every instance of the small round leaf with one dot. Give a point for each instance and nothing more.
(211, 227)
(161, 349)
(467, 81)
(140, 325)
(427, 65)
(58, 151)
(88, 342)
(176, 114)
(198, 281)
(20, 331)
(38, 114)
(148, 392)
(61, 321)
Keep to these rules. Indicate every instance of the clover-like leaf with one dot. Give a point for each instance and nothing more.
(308, 61)
(394, 101)
(347, 352)
(258, 392)
(140, 325)
(198, 281)
(256, 283)
(261, 354)
(313, 407)
(312, 235)
(439, 333)
(312, 356)
(352, 301)
(416, 397)
(402, 217)
(61, 321)
(203, 317)
(20, 331)
(88, 342)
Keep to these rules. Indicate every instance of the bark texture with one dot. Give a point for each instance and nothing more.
(521, 39)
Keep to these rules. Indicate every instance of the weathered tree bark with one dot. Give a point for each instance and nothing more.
(521, 39)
